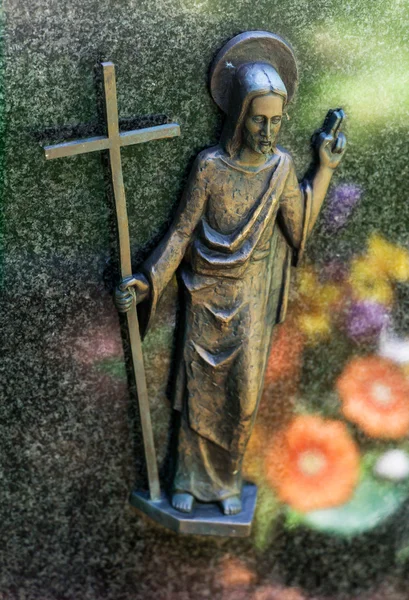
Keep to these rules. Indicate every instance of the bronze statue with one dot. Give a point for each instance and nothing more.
(242, 223)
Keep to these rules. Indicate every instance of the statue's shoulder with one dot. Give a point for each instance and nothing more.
(208, 158)
(286, 161)
(284, 154)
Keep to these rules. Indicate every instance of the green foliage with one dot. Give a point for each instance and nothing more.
(114, 367)
(267, 511)
(373, 502)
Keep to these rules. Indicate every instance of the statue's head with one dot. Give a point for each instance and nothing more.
(262, 123)
(257, 99)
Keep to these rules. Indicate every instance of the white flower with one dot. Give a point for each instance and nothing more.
(393, 465)
(394, 348)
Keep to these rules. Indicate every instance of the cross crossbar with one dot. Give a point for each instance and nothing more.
(126, 138)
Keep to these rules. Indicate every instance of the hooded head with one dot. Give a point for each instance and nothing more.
(243, 123)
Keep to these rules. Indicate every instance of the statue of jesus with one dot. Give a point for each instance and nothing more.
(242, 223)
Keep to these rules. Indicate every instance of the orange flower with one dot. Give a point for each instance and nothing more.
(286, 349)
(375, 396)
(313, 464)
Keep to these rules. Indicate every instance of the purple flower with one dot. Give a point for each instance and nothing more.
(340, 205)
(366, 319)
(334, 271)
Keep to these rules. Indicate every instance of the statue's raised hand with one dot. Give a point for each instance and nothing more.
(131, 290)
(329, 142)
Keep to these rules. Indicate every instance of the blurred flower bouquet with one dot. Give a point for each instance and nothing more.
(330, 449)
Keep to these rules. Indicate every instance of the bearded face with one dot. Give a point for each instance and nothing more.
(262, 123)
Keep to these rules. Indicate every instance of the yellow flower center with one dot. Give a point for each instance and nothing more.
(311, 462)
(381, 394)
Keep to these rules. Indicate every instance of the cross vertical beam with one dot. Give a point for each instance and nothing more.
(126, 271)
(116, 168)
(113, 143)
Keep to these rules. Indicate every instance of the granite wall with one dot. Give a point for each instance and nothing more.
(70, 441)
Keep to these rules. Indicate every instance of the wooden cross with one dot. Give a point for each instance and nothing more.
(114, 142)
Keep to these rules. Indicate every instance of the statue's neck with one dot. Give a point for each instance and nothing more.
(247, 157)
(272, 160)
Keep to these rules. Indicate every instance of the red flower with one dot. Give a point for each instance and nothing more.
(375, 396)
(314, 463)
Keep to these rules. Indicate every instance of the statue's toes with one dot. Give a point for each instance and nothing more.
(183, 502)
(231, 506)
(234, 510)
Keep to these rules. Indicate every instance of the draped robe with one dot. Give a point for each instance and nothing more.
(233, 241)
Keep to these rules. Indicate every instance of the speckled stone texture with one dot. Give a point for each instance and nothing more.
(69, 437)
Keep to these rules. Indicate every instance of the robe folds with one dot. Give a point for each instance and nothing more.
(233, 241)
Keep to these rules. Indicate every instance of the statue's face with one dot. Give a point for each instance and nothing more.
(263, 122)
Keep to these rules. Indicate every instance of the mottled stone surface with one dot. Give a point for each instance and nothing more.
(69, 439)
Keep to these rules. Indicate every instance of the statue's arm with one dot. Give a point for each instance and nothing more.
(156, 272)
(167, 256)
(329, 147)
(291, 215)
(301, 203)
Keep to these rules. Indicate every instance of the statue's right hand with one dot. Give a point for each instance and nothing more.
(131, 290)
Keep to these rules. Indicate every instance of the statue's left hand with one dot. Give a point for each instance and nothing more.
(330, 144)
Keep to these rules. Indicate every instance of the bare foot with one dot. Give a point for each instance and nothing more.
(183, 501)
(231, 506)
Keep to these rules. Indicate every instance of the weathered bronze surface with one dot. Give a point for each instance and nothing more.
(242, 223)
(113, 142)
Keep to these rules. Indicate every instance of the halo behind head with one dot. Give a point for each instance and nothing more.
(251, 47)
